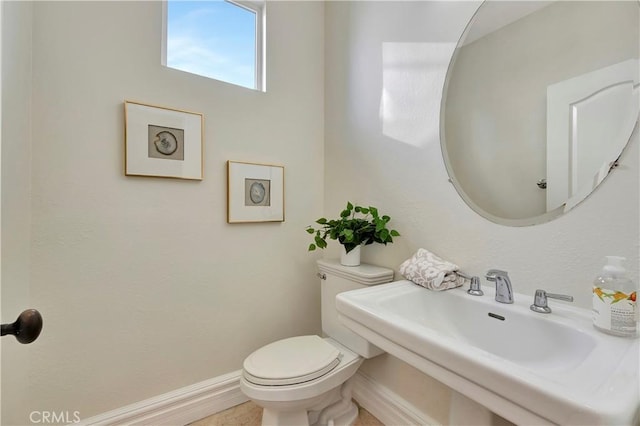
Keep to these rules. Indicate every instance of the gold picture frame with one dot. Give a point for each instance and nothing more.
(162, 142)
(255, 192)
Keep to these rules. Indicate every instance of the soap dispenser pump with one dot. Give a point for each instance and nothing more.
(615, 309)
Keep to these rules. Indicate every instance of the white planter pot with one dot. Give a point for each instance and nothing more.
(352, 258)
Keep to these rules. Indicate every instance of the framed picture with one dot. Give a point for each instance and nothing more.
(162, 142)
(255, 192)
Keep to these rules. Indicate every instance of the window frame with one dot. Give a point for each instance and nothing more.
(256, 6)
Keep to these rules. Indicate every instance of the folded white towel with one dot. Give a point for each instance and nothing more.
(428, 270)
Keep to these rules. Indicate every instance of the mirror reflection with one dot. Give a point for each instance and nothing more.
(540, 100)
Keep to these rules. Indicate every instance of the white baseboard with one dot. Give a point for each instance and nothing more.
(386, 405)
(178, 407)
(204, 399)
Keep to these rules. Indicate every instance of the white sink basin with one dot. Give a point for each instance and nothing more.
(528, 367)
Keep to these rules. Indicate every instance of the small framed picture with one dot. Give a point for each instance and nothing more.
(162, 142)
(255, 192)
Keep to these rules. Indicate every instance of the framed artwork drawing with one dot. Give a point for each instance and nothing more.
(162, 142)
(255, 192)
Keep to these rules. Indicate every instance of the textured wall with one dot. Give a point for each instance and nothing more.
(16, 203)
(143, 285)
(382, 148)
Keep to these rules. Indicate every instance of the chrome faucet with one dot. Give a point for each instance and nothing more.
(504, 291)
(540, 301)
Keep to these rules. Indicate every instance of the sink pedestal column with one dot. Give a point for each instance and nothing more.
(464, 411)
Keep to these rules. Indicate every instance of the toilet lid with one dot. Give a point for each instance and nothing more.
(290, 361)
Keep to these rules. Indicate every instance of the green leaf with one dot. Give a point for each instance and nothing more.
(345, 213)
(311, 230)
(386, 218)
(395, 233)
(364, 210)
(373, 211)
(312, 247)
(349, 206)
(321, 221)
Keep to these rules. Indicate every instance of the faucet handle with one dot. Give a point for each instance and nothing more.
(540, 301)
(474, 287)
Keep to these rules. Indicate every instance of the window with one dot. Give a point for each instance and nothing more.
(220, 39)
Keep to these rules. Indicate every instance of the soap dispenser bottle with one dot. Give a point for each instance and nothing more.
(614, 300)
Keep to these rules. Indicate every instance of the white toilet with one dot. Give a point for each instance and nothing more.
(304, 380)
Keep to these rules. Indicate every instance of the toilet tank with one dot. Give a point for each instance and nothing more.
(337, 278)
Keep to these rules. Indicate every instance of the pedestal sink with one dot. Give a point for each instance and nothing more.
(528, 367)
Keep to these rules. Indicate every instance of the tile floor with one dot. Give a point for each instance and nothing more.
(249, 414)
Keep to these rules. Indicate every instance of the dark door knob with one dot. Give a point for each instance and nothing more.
(26, 328)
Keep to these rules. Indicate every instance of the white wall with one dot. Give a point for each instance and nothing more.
(143, 286)
(16, 203)
(385, 68)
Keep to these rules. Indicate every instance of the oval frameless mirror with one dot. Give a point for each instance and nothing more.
(540, 99)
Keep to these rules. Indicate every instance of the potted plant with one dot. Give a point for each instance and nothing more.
(357, 226)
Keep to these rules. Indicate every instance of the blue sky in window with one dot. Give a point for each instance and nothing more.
(212, 38)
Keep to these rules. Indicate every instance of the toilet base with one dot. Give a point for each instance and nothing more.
(282, 418)
(347, 418)
(301, 418)
(333, 408)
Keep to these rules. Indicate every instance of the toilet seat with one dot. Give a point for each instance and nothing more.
(291, 361)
